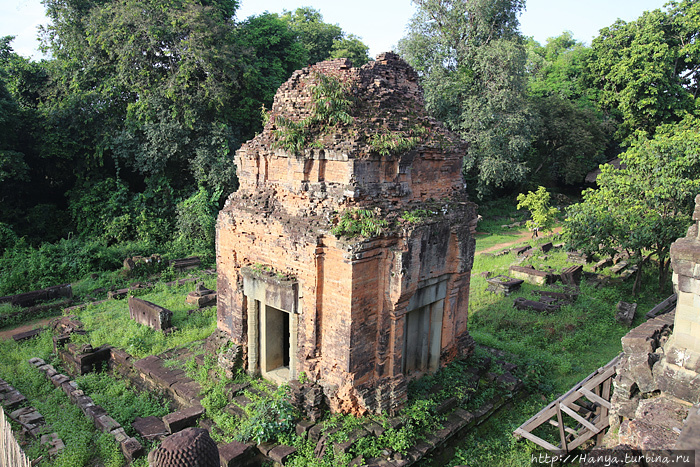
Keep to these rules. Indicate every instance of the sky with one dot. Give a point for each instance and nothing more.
(380, 23)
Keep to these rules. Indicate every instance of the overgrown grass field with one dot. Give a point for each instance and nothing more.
(553, 351)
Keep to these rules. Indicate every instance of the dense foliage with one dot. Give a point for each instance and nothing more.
(471, 59)
(127, 133)
(646, 204)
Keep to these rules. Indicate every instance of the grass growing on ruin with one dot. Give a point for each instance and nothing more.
(106, 323)
(557, 350)
(109, 322)
(84, 445)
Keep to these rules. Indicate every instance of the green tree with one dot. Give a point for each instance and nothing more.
(276, 53)
(471, 59)
(560, 68)
(147, 92)
(316, 36)
(570, 133)
(543, 216)
(647, 70)
(645, 205)
(569, 141)
(351, 47)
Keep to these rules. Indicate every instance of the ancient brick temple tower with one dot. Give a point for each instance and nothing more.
(360, 315)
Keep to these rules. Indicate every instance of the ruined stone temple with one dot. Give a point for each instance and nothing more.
(656, 403)
(359, 314)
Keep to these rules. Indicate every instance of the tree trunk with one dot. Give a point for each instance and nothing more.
(663, 273)
(638, 278)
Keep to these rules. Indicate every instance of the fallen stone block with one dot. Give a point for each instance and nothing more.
(531, 275)
(236, 454)
(29, 299)
(619, 267)
(503, 284)
(182, 419)
(132, 449)
(572, 275)
(281, 453)
(185, 264)
(602, 264)
(26, 335)
(625, 312)
(150, 428)
(523, 304)
(150, 314)
(520, 250)
(105, 423)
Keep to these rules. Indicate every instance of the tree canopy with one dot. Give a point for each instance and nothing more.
(471, 59)
(645, 205)
(647, 70)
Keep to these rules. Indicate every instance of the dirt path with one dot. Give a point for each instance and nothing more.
(7, 334)
(524, 237)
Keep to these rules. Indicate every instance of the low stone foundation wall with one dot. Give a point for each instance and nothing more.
(130, 447)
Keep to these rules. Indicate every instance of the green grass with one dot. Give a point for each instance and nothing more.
(106, 323)
(109, 322)
(557, 350)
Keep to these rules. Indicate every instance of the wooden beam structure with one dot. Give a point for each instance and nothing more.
(587, 404)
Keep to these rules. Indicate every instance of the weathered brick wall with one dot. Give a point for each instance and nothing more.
(353, 293)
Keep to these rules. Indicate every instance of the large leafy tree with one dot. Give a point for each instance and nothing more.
(146, 95)
(645, 205)
(471, 59)
(277, 53)
(647, 70)
(570, 133)
(323, 40)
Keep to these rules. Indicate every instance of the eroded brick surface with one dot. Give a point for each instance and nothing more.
(350, 299)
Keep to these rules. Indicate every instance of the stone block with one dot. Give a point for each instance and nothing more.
(572, 275)
(119, 434)
(531, 275)
(182, 419)
(683, 358)
(105, 423)
(29, 299)
(642, 435)
(689, 438)
(625, 313)
(150, 428)
(236, 454)
(68, 387)
(132, 449)
(12, 399)
(58, 379)
(503, 284)
(678, 382)
(281, 453)
(185, 264)
(303, 427)
(94, 412)
(662, 412)
(521, 250)
(619, 267)
(23, 336)
(23, 411)
(150, 314)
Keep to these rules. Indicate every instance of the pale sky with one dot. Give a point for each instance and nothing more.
(380, 23)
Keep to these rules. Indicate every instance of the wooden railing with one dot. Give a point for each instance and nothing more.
(11, 455)
(585, 406)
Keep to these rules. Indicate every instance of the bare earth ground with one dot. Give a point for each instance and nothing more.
(7, 334)
(525, 236)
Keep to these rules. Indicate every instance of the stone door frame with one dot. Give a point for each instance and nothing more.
(263, 292)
